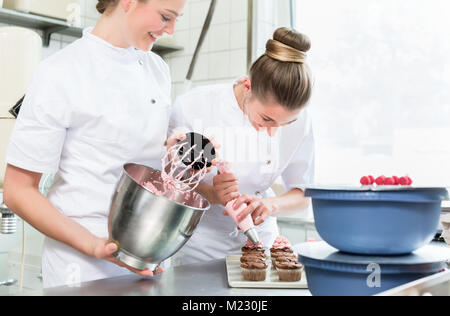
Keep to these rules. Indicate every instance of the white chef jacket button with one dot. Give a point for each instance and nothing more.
(141, 62)
(258, 194)
(268, 162)
(153, 101)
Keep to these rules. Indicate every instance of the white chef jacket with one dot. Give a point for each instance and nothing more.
(257, 161)
(90, 108)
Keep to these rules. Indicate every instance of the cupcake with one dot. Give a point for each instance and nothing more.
(289, 271)
(281, 244)
(248, 258)
(254, 271)
(287, 259)
(277, 255)
(251, 247)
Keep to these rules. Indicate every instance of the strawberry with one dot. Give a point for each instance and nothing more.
(380, 180)
(389, 181)
(396, 180)
(371, 180)
(409, 180)
(365, 180)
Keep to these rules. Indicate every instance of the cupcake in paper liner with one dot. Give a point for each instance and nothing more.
(289, 271)
(281, 244)
(254, 271)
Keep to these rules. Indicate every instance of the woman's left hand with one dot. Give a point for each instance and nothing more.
(259, 209)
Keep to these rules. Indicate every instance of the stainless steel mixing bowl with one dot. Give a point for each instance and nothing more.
(149, 228)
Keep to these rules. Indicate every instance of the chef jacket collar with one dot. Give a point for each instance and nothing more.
(87, 33)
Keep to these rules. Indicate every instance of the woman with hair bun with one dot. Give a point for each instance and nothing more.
(265, 130)
(97, 104)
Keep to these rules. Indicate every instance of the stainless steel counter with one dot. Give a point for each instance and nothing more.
(206, 279)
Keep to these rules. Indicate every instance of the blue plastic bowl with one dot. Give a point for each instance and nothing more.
(333, 273)
(377, 222)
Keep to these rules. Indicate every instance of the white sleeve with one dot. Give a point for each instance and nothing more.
(177, 119)
(300, 171)
(39, 132)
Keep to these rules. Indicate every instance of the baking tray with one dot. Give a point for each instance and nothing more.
(236, 280)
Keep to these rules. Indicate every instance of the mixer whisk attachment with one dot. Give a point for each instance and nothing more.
(176, 174)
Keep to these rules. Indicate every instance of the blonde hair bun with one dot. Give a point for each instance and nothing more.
(288, 45)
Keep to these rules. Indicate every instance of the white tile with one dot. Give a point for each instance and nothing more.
(198, 11)
(266, 10)
(179, 68)
(201, 68)
(55, 46)
(239, 10)
(182, 22)
(194, 36)
(91, 10)
(181, 38)
(222, 13)
(238, 35)
(68, 39)
(219, 37)
(238, 63)
(219, 65)
(264, 33)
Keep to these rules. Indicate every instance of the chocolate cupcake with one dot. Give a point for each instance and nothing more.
(246, 249)
(252, 259)
(254, 271)
(287, 259)
(285, 249)
(289, 271)
(277, 255)
(255, 252)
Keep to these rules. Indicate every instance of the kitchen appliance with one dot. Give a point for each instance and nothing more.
(377, 221)
(333, 273)
(20, 53)
(8, 220)
(197, 146)
(60, 9)
(150, 228)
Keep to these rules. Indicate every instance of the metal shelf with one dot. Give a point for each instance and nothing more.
(48, 26)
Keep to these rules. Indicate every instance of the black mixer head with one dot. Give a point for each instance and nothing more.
(201, 143)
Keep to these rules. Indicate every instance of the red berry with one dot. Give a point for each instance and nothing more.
(365, 181)
(380, 180)
(389, 181)
(403, 181)
(371, 180)
(396, 180)
(409, 180)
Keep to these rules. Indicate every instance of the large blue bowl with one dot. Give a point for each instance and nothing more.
(377, 222)
(333, 273)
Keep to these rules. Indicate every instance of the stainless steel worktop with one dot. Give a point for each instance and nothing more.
(205, 279)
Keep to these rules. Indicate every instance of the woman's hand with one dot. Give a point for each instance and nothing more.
(225, 186)
(177, 136)
(259, 209)
(103, 249)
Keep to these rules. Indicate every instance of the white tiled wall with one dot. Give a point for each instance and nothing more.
(223, 54)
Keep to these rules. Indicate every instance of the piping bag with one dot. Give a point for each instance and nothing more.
(246, 225)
